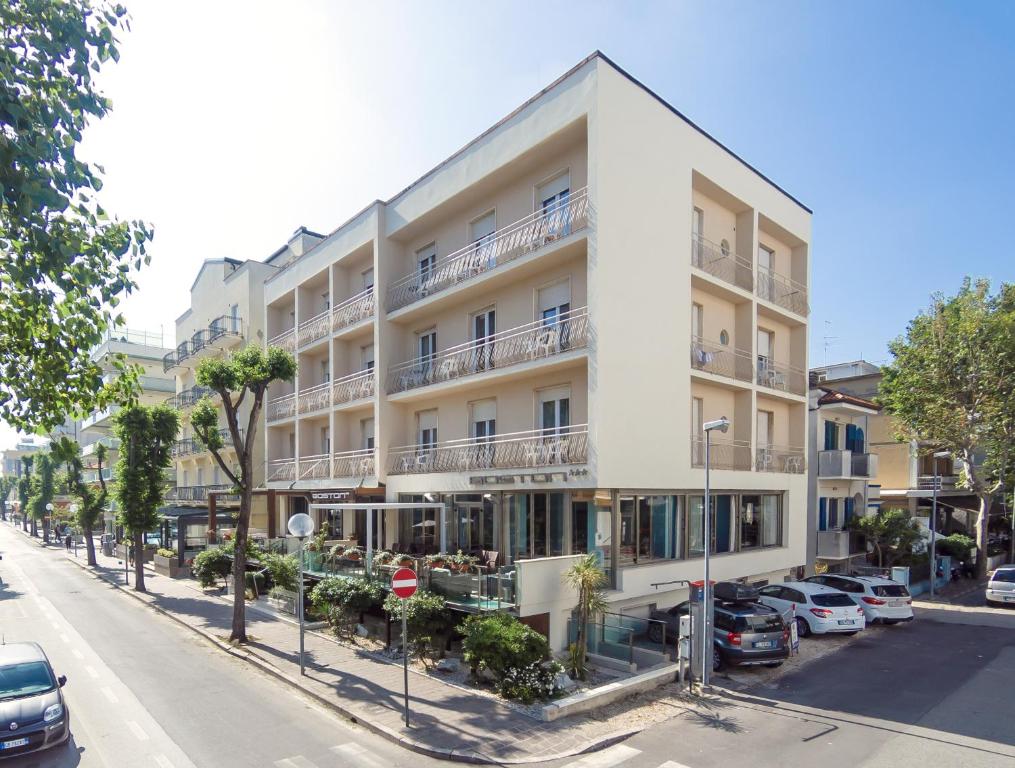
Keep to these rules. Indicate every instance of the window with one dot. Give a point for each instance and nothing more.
(553, 198)
(554, 302)
(367, 280)
(766, 424)
(186, 479)
(426, 259)
(648, 528)
(481, 230)
(292, 444)
(326, 300)
(722, 530)
(831, 436)
(760, 521)
(427, 428)
(698, 425)
(325, 440)
(426, 345)
(724, 337)
(325, 370)
(200, 476)
(833, 514)
(766, 346)
(766, 283)
(216, 477)
(366, 356)
(484, 420)
(697, 320)
(554, 410)
(766, 258)
(366, 427)
(484, 326)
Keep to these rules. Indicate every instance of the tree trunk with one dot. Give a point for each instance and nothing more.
(877, 548)
(239, 629)
(982, 520)
(89, 545)
(45, 530)
(138, 539)
(35, 528)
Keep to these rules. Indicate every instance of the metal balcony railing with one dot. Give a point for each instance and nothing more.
(224, 327)
(315, 328)
(315, 398)
(534, 341)
(517, 450)
(782, 291)
(174, 358)
(282, 469)
(948, 482)
(723, 453)
(195, 492)
(360, 463)
(721, 360)
(358, 308)
(719, 261)
(314, 467)
(188, 397)
(779, 458)
(185, 447)
(283, 407)
(505, 245)
(356, 386)
(781, 376)
(285, 340)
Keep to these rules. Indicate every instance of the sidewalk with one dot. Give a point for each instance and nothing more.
(446, 721)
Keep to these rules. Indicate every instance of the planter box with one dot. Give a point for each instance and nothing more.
(149, 554)
(166, 566)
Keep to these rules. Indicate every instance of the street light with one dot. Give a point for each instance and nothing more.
(933, 521)
(722, 424)
(301, 525)
(49, 514)
(73, 512)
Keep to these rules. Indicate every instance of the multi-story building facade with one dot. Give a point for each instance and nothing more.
(534, 334)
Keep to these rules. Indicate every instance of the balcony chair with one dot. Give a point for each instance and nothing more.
(545, 343)
(766, 460)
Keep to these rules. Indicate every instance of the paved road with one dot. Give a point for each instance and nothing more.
(142, 691)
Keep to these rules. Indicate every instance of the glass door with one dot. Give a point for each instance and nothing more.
(580, 543)
(484, 326)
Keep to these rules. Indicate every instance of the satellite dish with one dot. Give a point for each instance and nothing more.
(301, 525)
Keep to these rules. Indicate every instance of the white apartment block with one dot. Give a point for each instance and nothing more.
(534, 333)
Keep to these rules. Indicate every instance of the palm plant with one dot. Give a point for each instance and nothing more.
(587, 578)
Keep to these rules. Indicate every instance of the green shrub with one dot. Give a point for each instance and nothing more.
(354, 596)
(166, 553)
(254, 581)
(500, 642)
(428, 621)
(957, 546)
(531, 683)
(284, 570)
(211, 565)
(254, 552)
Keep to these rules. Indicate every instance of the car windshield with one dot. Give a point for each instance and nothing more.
(1007, 575)
(889, 590)
(838, 600)
(771, 622)
(26, 679)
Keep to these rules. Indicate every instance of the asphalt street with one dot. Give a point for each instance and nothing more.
(142, 691)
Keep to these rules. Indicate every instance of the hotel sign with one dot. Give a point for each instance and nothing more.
(528, 478)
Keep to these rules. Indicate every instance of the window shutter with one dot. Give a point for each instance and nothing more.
(823, 514)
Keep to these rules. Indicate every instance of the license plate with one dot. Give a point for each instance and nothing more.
(765, 644)
(1009, 598)
(896, 603)
(845, 622)
(13, 743)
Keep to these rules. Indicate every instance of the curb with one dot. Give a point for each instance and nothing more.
(462, 755)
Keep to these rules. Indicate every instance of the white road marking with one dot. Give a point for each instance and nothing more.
(163, 761)
(357, 755)
(91, 672)
(672, 764)
(295, 762)
(609, 757)
(79, 655)
(108, 693)
(137, 730)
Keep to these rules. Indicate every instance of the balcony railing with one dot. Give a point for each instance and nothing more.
(281, 469)
(354, 463)
(783, 291)
(719, 261)
(222, 327)
(283, 407)
(517, 450)
(535, 341)
(841, 463)
(174, 358)
(946, 482)
(189, 446)
(781, 376)
(315, 328)
(356, 386)
(315, 398)
(722, 453)
(188, 397)
(505, 245)
(285, 340)
(195, 492)
(358, 308)
(721, 360)
(865, 465)
(779, 458)
(111, 443)
(315, 467)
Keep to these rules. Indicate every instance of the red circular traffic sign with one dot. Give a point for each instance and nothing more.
(403, 583)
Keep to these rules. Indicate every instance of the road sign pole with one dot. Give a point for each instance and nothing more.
(403, 585)
(405, 658)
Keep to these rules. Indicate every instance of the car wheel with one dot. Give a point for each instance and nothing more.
(717, 660)
(803, 629)
(774, 664)
(655, 633)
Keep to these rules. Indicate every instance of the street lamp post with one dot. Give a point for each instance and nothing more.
(722, 424)
(48, 523)
(933, 521)
(73, 512)
(301, 525)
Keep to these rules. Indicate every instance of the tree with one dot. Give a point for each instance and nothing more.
(42, 489)
(246, 374)
(7, 484)
(66, 263)
(92, 501)
(891, 532)
(24, 489)
(146, 441)
(587, 577)
(951, 385)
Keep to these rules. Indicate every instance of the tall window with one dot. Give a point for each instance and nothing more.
(367, 434)
(427, 429)
(481, 230)
(326, 300)
(766, 346)
(366, 355)
(555, 410)
(426, 259)
(325, 370)
(766, 424)
(484, 326)
(554, 301)
(697, 320)
(368, 279)
(325, 439)
(766, 262)
(484, 420)
(426, 345)
(831, 436)
(698, 425)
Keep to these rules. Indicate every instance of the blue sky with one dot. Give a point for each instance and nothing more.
(234, 123)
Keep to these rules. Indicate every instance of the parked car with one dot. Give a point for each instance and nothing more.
(883, 601)
(33, 713)
(745, 632)
(1001, 586)
(817, 609)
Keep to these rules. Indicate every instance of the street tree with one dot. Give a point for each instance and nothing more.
(42, 490)
(588, 578)
(951, 386)
(91, 500)
(146, 441)
(244, 377)
(24, 492)
(66, 261)
(7, 484)
(891, 532)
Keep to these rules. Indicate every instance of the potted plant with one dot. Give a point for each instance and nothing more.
(438, 560)
(166, 564)
(405, 561)
(461, 562)
(353, 553)
(384, 557)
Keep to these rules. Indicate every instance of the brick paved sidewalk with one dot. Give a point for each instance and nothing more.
(446, 720)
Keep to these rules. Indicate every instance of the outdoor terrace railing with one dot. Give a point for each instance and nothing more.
(720, 359)
(534, 341)
(783, 291)
(349, 312)
(782, 376)
(723, 453)
(196, 492)
(315, 328)
(174, 358)
(356, 386)
(517, 450)
(779, 458)
(224, 327)
(360, 463)
(314, 467)
(315, 398)
(283, 407)
(505, 245)
(285, 340)
(192, 445)
(282, 469)
(188, 397)
(719, 261)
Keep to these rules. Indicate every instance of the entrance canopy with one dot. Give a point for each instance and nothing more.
(367, 506)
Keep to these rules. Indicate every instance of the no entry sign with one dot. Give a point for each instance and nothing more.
(403, 583)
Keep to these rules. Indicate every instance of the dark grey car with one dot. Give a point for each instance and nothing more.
(33, 713)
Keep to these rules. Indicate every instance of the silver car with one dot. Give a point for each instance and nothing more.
(33, 713)
(1001, 587)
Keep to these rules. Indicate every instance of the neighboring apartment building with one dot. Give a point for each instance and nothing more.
(13, 466)
(534, 333)
(226, 314)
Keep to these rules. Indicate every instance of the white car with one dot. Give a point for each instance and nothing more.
(818, 609)
(883, 601)
(1001, 587)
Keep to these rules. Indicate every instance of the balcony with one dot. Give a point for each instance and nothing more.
(281, 470)
(221, 332)
(524, 344)
(315, 398)
(722, 453)
(709, 357)
(357, 386)
(518, 450)
(190, 446)
(838, 464)
(944, 482)
(354, 463)
(314, 467)
(314, 329)
(198, 492)
(782, 291)
(781, 376)
(839, 545)
(99, 419)
(285, 340)
(780, 458)
(719, 261)
(345, 464)
(281, 408)
(188, 397)
(111, 443)
(175, 358)
(347, 314)
(514, 241)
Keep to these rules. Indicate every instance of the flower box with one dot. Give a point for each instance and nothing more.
(166, 566)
